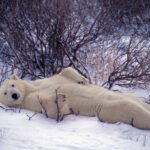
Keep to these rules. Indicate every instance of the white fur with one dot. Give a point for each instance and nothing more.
(74, 94)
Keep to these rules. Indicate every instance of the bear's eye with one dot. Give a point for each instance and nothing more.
(5, 93)
(13, 85)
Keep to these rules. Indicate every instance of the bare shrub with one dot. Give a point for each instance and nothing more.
(43, 37)
(131, 65)
(39, 38)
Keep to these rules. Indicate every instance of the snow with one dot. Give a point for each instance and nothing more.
(17, 132)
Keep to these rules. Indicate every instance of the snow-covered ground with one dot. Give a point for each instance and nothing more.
(17, 132)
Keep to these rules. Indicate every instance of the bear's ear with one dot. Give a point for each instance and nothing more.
(14, 77)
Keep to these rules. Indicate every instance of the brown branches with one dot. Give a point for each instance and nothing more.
(8, 108)
(131, 67)
(53, 106)
(2, 107)
(57, 106)
(14, 110)
(30, 117)
(41, 38)
(47, 37)
(43, 107)
(59, 101)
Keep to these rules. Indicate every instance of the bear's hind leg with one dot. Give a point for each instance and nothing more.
(135, 98)
(128, 112)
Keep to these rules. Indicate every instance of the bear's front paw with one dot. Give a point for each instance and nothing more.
(84, 81)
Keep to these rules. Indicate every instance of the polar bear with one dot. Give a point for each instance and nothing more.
(58, 99)
(14, 90)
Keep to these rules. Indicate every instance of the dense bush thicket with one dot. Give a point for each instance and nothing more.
(40, 37)
(129, 14)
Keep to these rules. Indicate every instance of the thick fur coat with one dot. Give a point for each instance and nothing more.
(71, 93)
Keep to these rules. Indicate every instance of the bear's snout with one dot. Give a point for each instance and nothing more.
(15, 96)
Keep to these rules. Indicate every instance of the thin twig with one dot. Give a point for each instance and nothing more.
(10, 109)
(30, 117)
(20, 110)
(132, 122)
(43, 107)
(2, 107)
(144, 140)
(57, 105)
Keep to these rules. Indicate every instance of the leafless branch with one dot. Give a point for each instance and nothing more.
(30, 117)
(144, 140)
(57, 106)
(43, 107)
(8, 108)
(2, 107)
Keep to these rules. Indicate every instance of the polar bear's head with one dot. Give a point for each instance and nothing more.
(12, 91)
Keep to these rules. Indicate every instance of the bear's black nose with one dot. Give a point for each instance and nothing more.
(15, 96)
